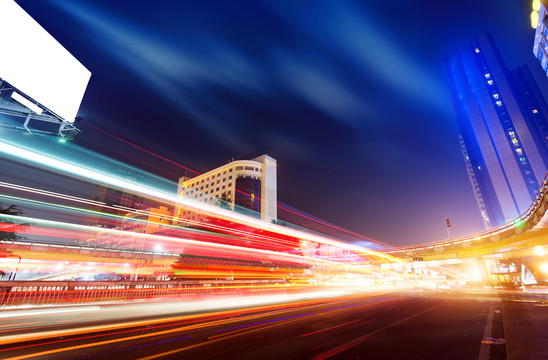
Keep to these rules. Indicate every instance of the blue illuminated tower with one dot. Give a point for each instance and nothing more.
(502, 118)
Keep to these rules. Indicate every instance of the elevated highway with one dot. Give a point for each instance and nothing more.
(508, 255)
(513, 238)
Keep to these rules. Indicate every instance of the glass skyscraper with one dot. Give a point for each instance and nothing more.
(502, 117)
(540, 46)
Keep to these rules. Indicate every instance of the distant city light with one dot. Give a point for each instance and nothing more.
(539, 251)
(518, 223)
(534, 19)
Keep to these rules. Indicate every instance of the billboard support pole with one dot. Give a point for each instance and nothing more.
(12, 108)
(26, 124)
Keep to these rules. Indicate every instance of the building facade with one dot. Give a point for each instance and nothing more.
(115, 201)
(244, 186)
(148, 221)
(502, 119)
(540, 46)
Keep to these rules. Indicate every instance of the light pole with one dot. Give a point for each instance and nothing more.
(448, 226)
(16, 268)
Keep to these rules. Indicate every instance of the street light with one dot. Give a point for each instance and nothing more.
(448, 226)
(16, 268)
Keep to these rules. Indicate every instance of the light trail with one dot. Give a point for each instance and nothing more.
(239, 249)
(138, 147)
(216, 319)
(242, 192)
(268, 240)
(249, 304)
(79, 171)
(50, 193)
(8, 315)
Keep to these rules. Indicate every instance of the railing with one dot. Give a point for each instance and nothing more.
(52, 293)
(526, 221)
(86, 249)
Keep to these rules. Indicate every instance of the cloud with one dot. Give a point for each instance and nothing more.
(347, 31)
(320, 88)
(180, 73)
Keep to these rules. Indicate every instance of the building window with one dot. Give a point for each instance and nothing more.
(535, 111)
(239, 168)
(499, 103)
(487, 76)
(519, 151)
(477, 50)
(230, 177)
(490, 82)
(495, 96)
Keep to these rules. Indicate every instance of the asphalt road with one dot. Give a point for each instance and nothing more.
(374, 326)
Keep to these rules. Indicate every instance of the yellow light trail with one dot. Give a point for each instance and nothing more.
(240, 249)
(95, 176)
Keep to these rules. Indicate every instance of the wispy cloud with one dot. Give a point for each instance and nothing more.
(346, 30)
(317, 86)
(179, 73)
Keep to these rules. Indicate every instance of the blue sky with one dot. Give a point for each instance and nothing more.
(351, 97)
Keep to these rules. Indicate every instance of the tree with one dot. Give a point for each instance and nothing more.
(8, 228)
(9, 233)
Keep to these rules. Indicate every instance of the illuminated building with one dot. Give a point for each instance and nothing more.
(147, 221)
(539, 21)
(502, 118)
(118, 202)
(245, 186)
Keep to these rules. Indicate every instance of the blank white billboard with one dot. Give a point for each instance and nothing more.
(35, 63)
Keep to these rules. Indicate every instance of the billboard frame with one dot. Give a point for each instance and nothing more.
(61, 128)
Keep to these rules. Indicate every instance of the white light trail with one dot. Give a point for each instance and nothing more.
(93, 175)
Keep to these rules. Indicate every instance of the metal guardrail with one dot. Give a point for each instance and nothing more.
(529, 219)
(52, 293)
(86, 249)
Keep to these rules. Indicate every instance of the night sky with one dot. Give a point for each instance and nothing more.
(350, 97)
